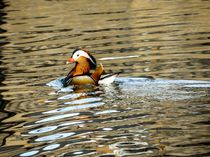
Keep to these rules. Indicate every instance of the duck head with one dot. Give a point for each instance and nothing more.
(81, 56)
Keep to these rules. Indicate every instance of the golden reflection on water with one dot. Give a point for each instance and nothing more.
(167, 40)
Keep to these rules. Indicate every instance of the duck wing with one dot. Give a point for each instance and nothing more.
(73, 73)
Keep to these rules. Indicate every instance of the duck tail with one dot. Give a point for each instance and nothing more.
(110, 75)
(109, 78)
(97, 74)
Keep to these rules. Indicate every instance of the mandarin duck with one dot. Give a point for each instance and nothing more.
(81, 75)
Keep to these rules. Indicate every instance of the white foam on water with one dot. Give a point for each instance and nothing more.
(162, 89)
(56, 84)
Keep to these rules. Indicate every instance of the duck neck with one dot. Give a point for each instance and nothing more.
(82, 68)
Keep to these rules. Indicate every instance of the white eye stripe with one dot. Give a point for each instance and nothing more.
(79, 53)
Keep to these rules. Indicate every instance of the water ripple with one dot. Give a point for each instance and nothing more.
(53, 118)
(54, 137)
(158, 106)
(71, 108)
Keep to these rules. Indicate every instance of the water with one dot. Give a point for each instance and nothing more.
(135, 116)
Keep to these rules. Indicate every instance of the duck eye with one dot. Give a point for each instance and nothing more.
(77, 55)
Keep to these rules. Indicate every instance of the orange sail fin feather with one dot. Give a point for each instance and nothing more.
(97, 74)
(80, 74)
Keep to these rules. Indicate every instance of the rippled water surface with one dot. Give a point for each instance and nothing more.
(158, 106)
